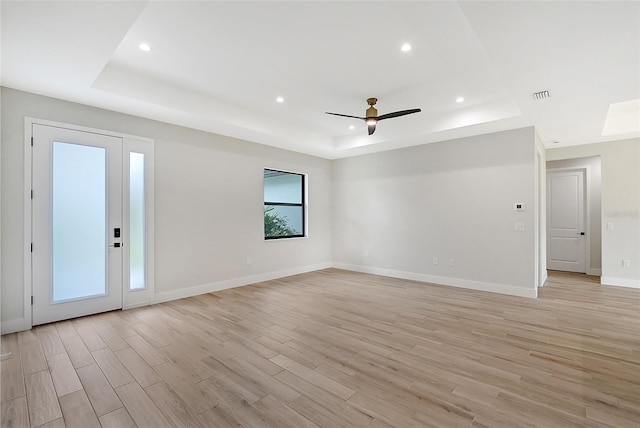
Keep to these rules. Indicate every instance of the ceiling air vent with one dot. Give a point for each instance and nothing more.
(541, 95)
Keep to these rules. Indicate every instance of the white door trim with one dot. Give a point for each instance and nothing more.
(586, 169)
(143, 296)
(540, 219)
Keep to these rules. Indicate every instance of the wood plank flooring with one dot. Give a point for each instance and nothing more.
(337, 349)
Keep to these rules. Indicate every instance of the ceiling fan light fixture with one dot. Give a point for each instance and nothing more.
(371, 117)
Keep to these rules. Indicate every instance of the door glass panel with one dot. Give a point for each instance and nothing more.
(136, 222)
(79, 221)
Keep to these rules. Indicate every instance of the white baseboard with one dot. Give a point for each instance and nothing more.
(136, 305)
(11, 326)
(545, 276)
(21, 324)
(620, 282)
(594, 272)
(166, 296)
(443, 280)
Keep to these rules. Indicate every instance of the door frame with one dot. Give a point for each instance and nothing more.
(541, 219)
(130, 143)
(586, 170)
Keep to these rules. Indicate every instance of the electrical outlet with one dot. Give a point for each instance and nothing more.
(609, 226)
(452, 262)
(366, 253)
(248, 260)
(519, 226)
(435, 260)
(626, 263)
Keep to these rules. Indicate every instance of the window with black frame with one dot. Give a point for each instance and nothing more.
(284, 204)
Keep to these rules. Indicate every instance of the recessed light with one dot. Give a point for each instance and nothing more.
(406, 47)
(144, 47)
(460, 99)
(352, 127)
(279, 100)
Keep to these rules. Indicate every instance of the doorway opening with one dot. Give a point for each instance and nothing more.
(574, 233)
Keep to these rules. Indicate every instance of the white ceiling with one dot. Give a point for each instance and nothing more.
(219, 66)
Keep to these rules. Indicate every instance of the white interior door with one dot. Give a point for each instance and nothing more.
(566, 243)
(76, 223)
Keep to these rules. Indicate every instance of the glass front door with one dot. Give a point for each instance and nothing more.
(76, 223)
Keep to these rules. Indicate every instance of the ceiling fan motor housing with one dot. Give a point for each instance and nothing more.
(372, 111)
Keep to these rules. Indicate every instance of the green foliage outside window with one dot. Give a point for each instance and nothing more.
(275, 224)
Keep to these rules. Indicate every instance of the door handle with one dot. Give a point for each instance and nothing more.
(116, 245)
(580, 233)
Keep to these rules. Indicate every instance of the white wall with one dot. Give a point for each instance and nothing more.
(593, 165)
(208, 203)
(541, 213)
(620, 198)
(397, 210)
(0, 199)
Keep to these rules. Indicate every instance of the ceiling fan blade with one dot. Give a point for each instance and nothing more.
(399, 113)
(372, 128)
(346, 115)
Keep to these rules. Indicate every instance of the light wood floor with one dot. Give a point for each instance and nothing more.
(338, 349)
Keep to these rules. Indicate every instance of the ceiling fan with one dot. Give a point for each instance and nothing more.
(372, 118)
